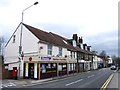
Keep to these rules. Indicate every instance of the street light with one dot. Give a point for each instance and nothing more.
(20, 47)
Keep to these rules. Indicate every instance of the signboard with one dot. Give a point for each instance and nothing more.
(59, 59)
(45, 58)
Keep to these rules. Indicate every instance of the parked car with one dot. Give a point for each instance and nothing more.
(113, 67)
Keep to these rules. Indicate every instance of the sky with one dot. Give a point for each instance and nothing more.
(95, 20)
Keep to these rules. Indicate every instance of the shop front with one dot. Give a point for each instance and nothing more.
(48, 70)
(72, 68)
(62, 69)
(31, 70)
(44, 69)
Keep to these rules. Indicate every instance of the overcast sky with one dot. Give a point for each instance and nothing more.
(95, 20)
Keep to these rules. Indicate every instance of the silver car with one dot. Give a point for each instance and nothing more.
(113, 67)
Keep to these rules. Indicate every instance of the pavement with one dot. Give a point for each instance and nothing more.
(24, 82)
(113, 83)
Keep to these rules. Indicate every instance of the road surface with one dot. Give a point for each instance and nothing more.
(90, 79)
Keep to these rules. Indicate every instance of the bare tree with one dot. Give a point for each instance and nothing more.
(103, 53)
(105, 58)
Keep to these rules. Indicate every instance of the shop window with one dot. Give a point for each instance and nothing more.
(49, 49)
(43, 68)
(48, 67)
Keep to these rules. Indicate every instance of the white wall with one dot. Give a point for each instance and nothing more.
(29, 41)
(12, 49)
(29, 44)
(43, 51)
(110, 61)
(66, 52)
(55, 50)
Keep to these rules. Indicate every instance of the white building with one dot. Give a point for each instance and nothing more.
(110, 61)
(45, 54)
(95, 62)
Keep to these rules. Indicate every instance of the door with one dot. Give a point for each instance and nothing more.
(31, 70)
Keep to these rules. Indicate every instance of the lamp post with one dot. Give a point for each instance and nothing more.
(20, 47)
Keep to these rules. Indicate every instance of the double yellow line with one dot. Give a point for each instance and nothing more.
(104, 86)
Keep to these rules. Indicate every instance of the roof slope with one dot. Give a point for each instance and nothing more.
(50, 37)
(54, 39)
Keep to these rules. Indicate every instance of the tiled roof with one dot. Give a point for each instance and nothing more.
(54, 39)
(50, 37)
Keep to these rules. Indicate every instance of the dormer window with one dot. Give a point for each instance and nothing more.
(14, 37)
(74, 43)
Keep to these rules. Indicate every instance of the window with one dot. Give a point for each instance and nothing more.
(74, 54)
(74, 43)
(14, 38)
(71, 54)
(60, 51)
(49, 49)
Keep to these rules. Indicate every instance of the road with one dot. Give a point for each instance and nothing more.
(90, 79)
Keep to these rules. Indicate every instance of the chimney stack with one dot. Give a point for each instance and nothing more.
(88, 48)
(80, 40)
(75, 37)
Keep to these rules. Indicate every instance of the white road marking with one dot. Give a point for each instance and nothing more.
(12, 84)
(4, 85)
(74, 82)
(8, 84)
(90, 76)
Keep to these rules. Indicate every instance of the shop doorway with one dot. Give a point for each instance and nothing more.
(31, 70)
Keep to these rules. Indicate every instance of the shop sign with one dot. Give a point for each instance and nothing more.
(58, 59)
(45, 58)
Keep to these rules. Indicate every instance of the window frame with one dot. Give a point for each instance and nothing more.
(60, 51)
(49, 49)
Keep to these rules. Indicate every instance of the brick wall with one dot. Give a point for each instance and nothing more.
(6, 74)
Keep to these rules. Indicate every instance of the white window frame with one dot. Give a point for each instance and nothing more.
(49, 49)
(60, 51)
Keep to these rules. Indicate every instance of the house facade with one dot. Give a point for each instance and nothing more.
(45, 54)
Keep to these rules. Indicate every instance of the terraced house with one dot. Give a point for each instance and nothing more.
(45, 54)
